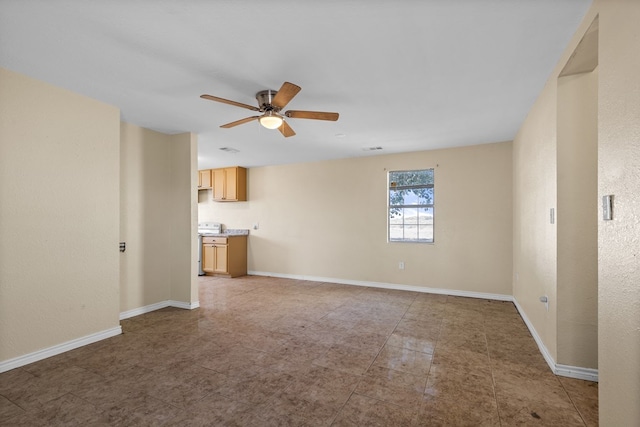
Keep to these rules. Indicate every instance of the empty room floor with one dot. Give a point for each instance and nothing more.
(264, 351)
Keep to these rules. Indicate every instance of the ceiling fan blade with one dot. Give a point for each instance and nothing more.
(285, 94)
(286, 130)
(315, 115)
(240, 122)
(226, 101)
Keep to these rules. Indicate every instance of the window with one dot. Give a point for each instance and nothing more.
(411, 206)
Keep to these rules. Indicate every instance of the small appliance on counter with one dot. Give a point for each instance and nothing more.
(206, 229)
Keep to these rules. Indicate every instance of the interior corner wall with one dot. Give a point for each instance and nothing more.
(183, 226)
(158, 218)
(59, 216)
(145, 183)
(577, 220)
(543, 209)
(329, 220)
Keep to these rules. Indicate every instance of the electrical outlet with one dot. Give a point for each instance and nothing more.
(401, 265)
(256, 225)
(545, 300)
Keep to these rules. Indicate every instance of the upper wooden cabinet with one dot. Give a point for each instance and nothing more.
(229, 184)
(204, 179)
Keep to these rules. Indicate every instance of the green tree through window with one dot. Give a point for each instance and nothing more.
(411, 206)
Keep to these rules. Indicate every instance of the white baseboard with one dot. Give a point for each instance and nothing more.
(562, 370)
(577, 372)
(36, 356)
(184, 305)
(142, 310)
(394, 286)
(543, 348)
(157, 306)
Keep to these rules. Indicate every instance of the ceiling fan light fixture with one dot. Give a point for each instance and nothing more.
(271, 120)
(271, 105)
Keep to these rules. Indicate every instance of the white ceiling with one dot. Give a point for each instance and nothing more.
(404, 75)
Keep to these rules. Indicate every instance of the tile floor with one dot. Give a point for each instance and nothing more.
(273, 352)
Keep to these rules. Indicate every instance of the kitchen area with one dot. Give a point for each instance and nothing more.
(222, 251)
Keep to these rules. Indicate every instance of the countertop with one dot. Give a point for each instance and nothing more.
(229, 232)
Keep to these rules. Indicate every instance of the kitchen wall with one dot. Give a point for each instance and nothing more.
(328, 220)
(59, 166)
(157, 218)
(535, 183)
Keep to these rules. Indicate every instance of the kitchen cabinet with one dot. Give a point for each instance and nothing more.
(204, 179)
(229, 184)
(224, 256)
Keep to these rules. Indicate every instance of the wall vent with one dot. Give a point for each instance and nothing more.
(229, 150)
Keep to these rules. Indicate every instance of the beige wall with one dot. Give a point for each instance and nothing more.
(328, 219)
(619, 240)
(157, 218)
(577, 220)
(145, 273)
(59, 167)
(183, 227)
(534, 237)
(553, 171)
(535, 184)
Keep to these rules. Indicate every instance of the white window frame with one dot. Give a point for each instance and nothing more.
(392, 186)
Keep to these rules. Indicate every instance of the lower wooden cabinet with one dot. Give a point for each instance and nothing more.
(224, 256)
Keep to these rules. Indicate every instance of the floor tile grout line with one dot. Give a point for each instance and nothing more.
(493, 378)
(571, 400)
(435, 347)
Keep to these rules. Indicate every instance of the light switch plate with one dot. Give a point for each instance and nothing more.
(607, 207)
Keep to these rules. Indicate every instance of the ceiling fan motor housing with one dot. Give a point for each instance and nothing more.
(265, 97)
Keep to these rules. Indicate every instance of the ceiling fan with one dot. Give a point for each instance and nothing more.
(270, 103)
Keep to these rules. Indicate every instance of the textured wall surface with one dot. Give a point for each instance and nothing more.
(59, 167)
(619, 240)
